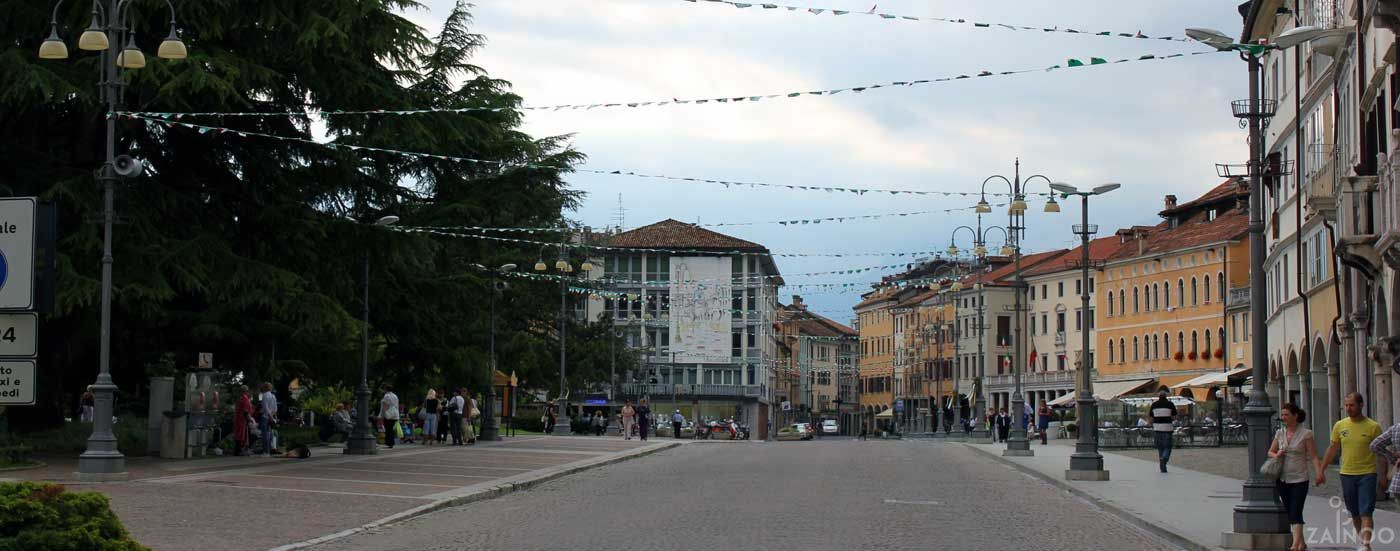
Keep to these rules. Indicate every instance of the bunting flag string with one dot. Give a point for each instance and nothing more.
(505, 166)
(692, 252)
(792, 222)
(602, 287)
(956, 21)
(634, 104)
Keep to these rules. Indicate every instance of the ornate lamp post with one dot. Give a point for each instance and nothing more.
(1259, 520)
(109, 30)
(1017, 445)
(563, 427)
(490, 426)
(362, 441)
(979, 250)
(1085, 463)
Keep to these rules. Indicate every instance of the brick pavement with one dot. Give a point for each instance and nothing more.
(231, 503)
(827, 494)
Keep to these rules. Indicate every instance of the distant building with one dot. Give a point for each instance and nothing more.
(815, 356)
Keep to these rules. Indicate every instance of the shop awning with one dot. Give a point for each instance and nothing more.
(1216, 379)
(1109, 390)
(887, 414)
(1065, 400)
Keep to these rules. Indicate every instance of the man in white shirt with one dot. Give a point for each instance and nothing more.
(268, 417)
(455, 408)
(389, 413)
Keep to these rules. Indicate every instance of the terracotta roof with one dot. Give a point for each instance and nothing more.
(908, 300)
(1194, 232)
(671, 233)
(812, 324)
(1099, 250)
(1227, 190)
(1001, 276)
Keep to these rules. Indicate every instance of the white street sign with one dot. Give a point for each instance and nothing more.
(17, 383)
(206, 360)
(17, 253)
(19, 335)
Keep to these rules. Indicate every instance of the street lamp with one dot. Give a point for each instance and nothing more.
(1017, 445)
(563, 427)
(979, 236)
(362, 441)
(1085, 463)
(1259, 519)
(490, 426)
(102, 461)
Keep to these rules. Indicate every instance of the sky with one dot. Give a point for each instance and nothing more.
(1156, 127)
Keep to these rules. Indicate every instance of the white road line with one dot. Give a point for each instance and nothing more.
(396, 463)
(333, 492)
(423, 474)
(909, 502)
(346, 480)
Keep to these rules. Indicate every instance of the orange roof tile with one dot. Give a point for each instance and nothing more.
(1099, 250)
(671, 233)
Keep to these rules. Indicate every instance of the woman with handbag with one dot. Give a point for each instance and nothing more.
(1291, 456)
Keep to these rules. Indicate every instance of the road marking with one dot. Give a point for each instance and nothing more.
(464, 466)
(423, 474)
(909, 502)
(346, 480)
(223, 484)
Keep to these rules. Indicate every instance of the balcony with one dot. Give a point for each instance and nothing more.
(1060, 339)
(657, 392)
(1321, 196)
(1033, 379)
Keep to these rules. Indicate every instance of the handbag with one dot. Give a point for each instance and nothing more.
(476, 413)
(1273, 466)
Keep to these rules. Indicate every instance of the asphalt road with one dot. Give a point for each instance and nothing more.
(828, 494)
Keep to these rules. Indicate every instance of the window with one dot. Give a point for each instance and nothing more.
(1222, 338)
(1135, 349)
(1286, 279)
(1044, 362)
(1206, 294)
(1167, 293)
(1156, 348)
(1122, 351)
(1091, 285)
(1032, 292)
(1193, 291)
(1166, 345)
(1079, 320)
(1060, 362)
(1122, 304)
(1078, 287)
(1110, 310)
(1156, 301)
(1032, 325)
(1194, 350)
(1044, 324)
(1208, 348)
(1220, 284)
(1044, 290)
(1180, 293)
(1110, 349)
(1235, 328)
(1092, 325)
(1135, 300)
(1180, 341)
(1059, 322)
(1244, 326)
(1061, 286)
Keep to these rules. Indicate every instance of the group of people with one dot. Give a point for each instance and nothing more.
(633, 420)
(246, 419)
(438, 418)
(1369, 458)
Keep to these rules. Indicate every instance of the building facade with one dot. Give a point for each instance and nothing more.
(699, 306)
(813, 353)
(1058, 321)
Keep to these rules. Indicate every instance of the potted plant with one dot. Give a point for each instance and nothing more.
(1219, 353)
(1191, 355)
(1178, 356)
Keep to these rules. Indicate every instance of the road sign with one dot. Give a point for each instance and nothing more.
(899, 406)
(19, 335)
(787, 406)
(17, 253)
(206, 360)
(17, 383)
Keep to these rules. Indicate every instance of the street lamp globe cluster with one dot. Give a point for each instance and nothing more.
(562, 426)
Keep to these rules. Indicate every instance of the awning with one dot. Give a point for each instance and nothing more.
(1144, 400)
(1215, 379)
(1199, 394)
(1065, 400)
(1109, 390)
(887, 414)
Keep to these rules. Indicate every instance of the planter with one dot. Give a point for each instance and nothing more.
(1219, 353)
(1178, 356)
(1191, 354)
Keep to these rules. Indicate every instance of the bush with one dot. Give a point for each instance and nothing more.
(72, 437)
(37, 515)
(1072, 429)
(15, 455)
(322, 400)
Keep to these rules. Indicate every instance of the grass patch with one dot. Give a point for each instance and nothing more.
(72, 438)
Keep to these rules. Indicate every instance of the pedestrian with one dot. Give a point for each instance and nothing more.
(1003, 425)
(1352, 438)
(454, 416)
(242, 417)
(341, 423)
(429, 415)
(990, 422)
(1163, 413)
(1026, 413)
(676, 421)
(268, 418)
(643, 419)
(547, 418)
(1293, 445)
(389, 414)
(472, 414)
(86, 404)
(629, 416)
(1043, 423)
(1387, 447)
(599, 423)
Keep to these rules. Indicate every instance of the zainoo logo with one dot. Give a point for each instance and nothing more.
(1343, 532)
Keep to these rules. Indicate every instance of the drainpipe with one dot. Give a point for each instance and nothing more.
(1305, 368)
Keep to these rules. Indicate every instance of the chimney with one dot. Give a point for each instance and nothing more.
(797, 302)
(1141, 237)
(1170, 202)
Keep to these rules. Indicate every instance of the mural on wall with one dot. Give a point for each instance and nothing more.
(700, 302)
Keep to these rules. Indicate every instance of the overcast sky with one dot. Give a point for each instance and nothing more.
(1157, 127)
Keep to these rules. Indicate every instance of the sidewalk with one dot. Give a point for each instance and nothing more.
(1188, 507)
(229, 503)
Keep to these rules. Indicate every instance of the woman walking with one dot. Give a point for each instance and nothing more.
(429, 415)
(1293, 445)
(643, 419)
(629, 416)
(242, 418)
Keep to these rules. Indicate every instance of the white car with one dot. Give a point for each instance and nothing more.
(805, 429)
(829, 426)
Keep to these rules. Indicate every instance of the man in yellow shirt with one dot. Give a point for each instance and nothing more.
(1352, 438)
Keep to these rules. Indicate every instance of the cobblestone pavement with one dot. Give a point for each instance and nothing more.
(1234, 463)
(828, 494)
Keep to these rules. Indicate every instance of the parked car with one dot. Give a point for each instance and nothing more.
(829, 426)
(805, 429)
(793, 432)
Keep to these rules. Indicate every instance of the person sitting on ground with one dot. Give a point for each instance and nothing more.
(300, 451)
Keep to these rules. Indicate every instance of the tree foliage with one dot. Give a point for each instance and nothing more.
(254, 249)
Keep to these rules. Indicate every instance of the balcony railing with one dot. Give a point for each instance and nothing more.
(1043, 377)
(660, 391)
(1059, 338)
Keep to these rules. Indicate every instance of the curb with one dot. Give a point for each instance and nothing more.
(479, 495)
(1165, 533)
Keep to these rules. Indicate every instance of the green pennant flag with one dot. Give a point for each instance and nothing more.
(1097, 61)
(1075, 63)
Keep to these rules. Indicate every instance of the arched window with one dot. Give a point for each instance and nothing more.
(1206, 292)
(1110, 310)
(1122, 304)
(1167, 293)
(1110, 350)
(1156, 298)
(1220, 284)
(1208, 348)
(1135, 349)
(1193, 342)
(1222, 339)
(1166, 345)
(1180, 341)
(1194, 296)
(1156, 348)
(1135, 300)
(1122, 350)
(1180, 293)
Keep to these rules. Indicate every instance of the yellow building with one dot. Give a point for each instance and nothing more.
(876, 362)
(1162, 318)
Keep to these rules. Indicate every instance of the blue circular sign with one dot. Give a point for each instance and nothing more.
(4, 269)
